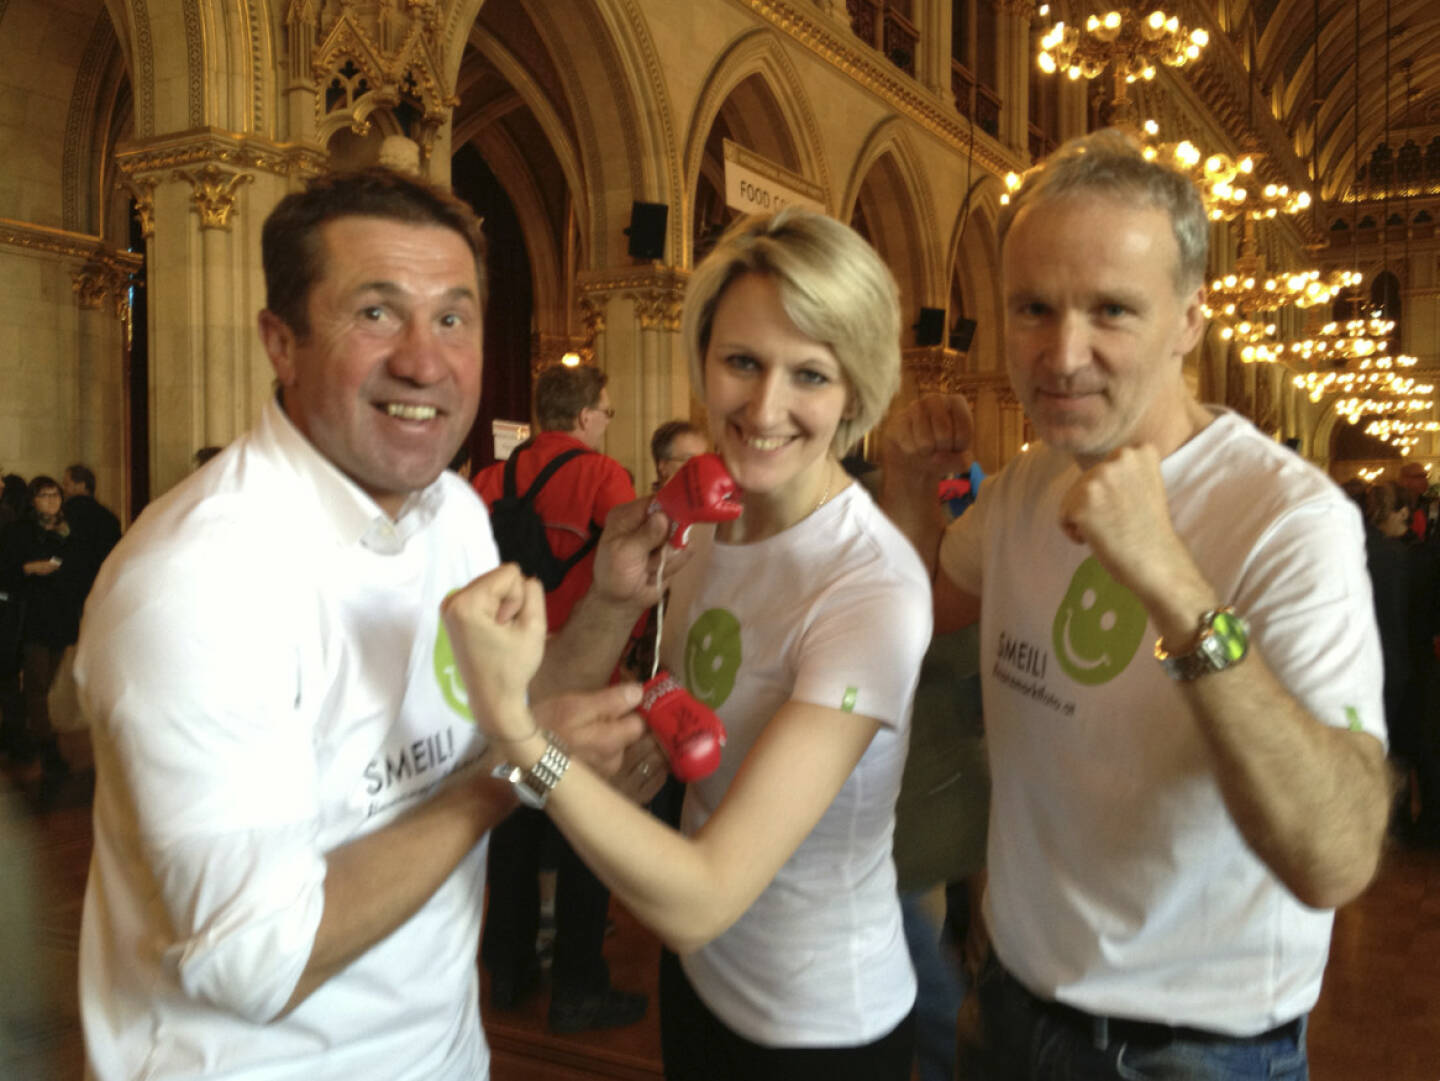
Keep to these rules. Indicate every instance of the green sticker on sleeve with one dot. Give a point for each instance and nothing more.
(847, 703)
(1352, 719)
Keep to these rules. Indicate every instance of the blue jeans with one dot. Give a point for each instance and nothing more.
(941, 985)
(1030, 1040)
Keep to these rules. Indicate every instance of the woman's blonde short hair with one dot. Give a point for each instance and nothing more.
(833, 286)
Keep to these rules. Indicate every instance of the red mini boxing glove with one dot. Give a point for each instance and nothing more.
(701, 490)
(688, 731)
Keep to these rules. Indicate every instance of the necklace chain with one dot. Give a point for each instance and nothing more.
(825, 495)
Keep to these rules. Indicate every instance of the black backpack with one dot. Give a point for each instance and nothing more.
(520, 531)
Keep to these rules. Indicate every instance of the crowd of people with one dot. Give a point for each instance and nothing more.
(310, 740)
(54, 535)
(1402, 551)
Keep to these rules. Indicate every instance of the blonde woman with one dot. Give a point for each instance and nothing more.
(802, 624)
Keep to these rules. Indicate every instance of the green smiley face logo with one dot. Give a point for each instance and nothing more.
(712, 657)
(447, 676)
(1098, 626)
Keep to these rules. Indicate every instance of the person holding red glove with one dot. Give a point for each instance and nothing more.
(778, 893)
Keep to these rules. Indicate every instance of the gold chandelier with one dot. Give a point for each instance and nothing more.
(1391, 407)
(1248, 290)
(1228, 185)
(1338, 343)
(1400, 433)
(1135, 45)
(1370, 376)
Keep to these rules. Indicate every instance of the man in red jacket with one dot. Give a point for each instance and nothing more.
(573, 408)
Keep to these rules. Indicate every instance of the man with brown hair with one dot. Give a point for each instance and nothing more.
(572, 405)
(291, 798)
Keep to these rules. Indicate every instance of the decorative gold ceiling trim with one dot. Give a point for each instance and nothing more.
(43, 238)
(894, 87)
(208, 145)
(626, 279)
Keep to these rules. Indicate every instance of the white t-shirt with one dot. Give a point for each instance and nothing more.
(1118, 881)
(259, 662)
(834, 611)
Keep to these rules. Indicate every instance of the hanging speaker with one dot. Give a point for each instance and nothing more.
(962, 334)
(647, 230)
(930, 327)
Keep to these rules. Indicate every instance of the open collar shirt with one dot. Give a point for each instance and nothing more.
(262, 665)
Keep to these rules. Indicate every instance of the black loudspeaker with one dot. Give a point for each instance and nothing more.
(647, 230)
(930, 327)
(962, 334)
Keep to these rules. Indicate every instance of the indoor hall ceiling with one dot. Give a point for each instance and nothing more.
(1383, 53)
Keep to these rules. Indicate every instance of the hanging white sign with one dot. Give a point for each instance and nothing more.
(756, 186)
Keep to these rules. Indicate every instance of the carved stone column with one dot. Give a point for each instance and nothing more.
(209, 191)
(1012, 19)
(632, 315)
(932, 62)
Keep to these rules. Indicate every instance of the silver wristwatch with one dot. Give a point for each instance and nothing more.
(534, 785)
(1224, 641)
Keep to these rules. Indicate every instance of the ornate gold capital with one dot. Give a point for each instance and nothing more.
(105, 273)
(142, 190)
(657, 291)
(106, 279)
(658, 308)
(215, 146)
(592, 313)
(213, 193)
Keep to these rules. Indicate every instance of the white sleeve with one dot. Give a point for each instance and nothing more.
(1306, 592)
(861, 652)
(186, 669)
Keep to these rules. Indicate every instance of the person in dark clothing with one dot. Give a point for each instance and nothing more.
(1386, 521)
(14, 509)
(94, 530)
(573, 408)
(52, 616)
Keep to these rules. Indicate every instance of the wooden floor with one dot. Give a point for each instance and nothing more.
(1378, 1018)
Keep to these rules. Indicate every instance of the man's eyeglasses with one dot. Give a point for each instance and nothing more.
(609, 411)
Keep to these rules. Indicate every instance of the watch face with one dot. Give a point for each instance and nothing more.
(1231, 635)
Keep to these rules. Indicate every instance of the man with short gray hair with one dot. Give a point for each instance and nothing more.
(1171, 828)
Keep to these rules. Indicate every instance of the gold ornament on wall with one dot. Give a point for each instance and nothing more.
(658, 308)
(142, 190)
(213, 193)
(106, 279)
